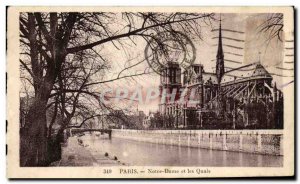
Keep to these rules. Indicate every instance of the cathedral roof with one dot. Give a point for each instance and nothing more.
(209, 77)
(206, 77)
(260, 71)
(245, 72)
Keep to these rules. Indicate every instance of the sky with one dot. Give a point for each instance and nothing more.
(242, 44)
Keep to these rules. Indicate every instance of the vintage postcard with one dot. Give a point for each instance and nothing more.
(150, 92)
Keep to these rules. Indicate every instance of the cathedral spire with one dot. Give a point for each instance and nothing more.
(220, 56)
(220, 48)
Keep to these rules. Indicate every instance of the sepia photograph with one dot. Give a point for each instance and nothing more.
(147, 92)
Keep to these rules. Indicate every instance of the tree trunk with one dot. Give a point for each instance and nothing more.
(33, 141)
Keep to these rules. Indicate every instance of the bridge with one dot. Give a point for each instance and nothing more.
(73, 131)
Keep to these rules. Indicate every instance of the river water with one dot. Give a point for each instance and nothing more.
(149, 154)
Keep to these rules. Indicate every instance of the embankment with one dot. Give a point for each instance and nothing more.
(251, 141)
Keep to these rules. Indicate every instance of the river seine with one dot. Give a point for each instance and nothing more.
(137, 153)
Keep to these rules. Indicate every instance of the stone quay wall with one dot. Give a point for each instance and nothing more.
(268, 142)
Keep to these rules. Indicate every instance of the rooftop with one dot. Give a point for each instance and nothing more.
(244, 72)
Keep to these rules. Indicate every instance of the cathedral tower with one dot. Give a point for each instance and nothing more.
(220, 57)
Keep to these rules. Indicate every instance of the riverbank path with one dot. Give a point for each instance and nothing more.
(76, 154)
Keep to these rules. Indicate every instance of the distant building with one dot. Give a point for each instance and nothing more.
(239, 98)
(119, 119)
(147, 121)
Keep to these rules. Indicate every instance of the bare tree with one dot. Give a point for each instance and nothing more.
(48, 40)
(273, 26)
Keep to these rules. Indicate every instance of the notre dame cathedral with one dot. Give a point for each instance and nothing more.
(240, 98)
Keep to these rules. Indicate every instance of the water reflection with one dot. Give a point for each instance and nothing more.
(149, 154)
